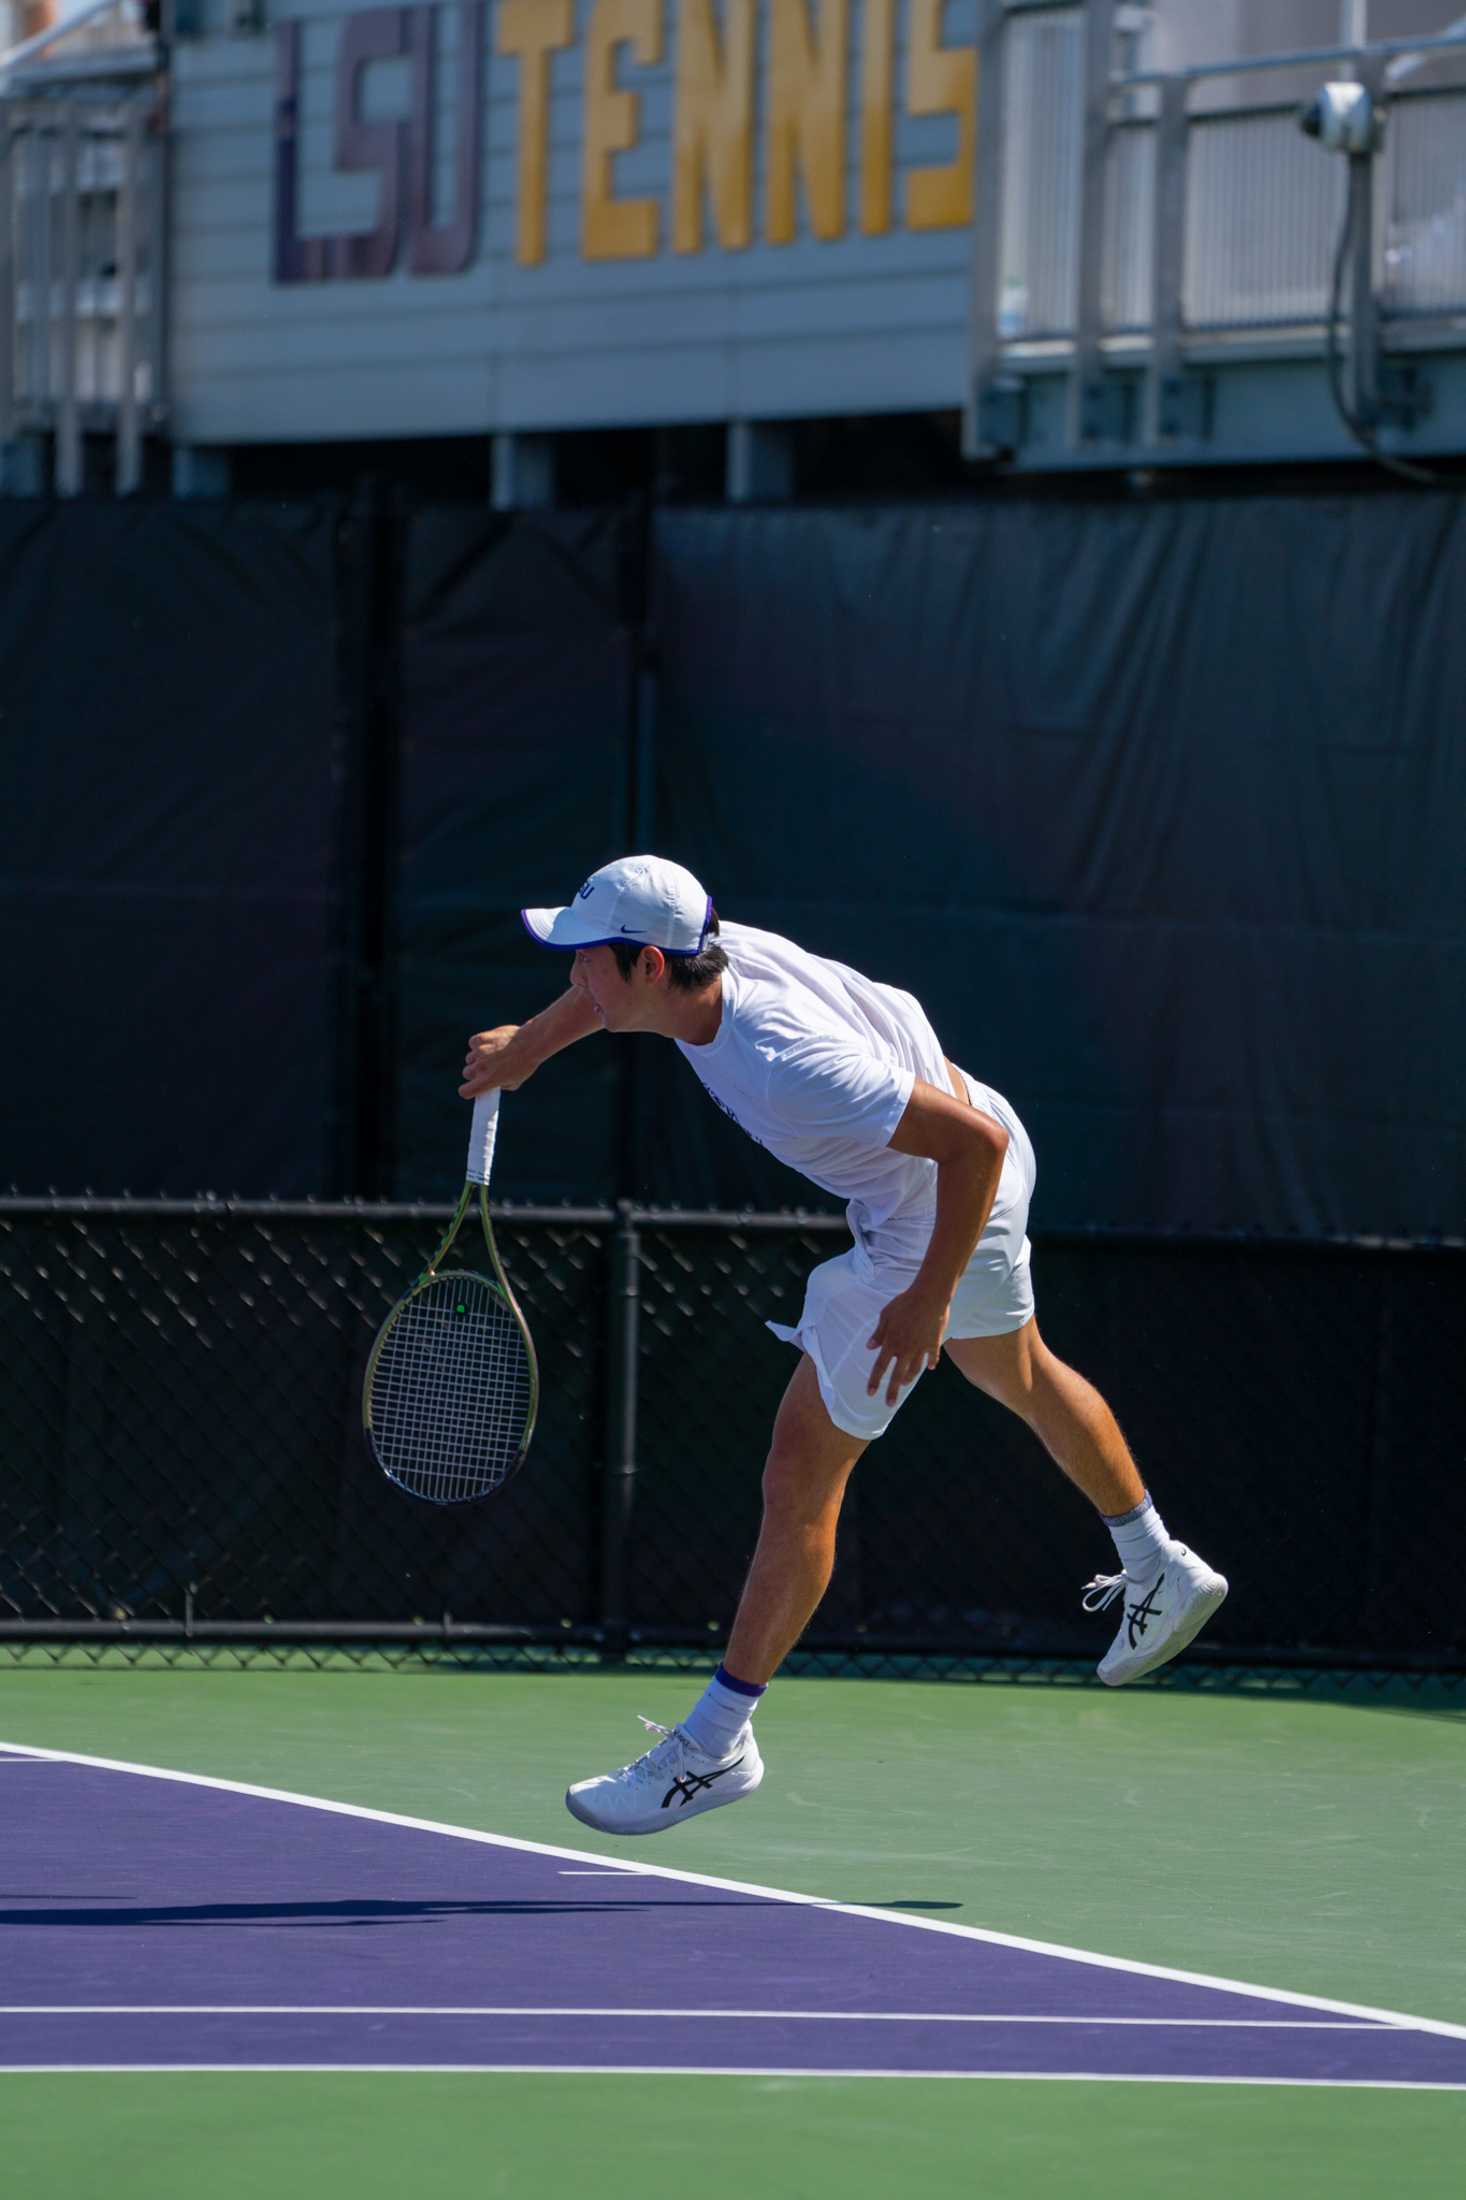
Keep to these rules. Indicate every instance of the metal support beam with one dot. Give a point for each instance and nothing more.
(9, 147)
(1085, 423)
(523, 471)
(1395, 51)
(760, 463)
(1363, 305)
(154, 227)
(68, 409)
(23, 467)
(1167, 260)
(1364, 378)
(129, 430)
(987, 228)
(199, 472)
(39, 200)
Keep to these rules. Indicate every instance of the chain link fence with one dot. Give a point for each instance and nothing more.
(185, 1470)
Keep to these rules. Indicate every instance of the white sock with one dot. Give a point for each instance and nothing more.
(721, 1713)
(1140, 1538)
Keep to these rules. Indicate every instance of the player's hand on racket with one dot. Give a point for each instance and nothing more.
(907, 1338)
(451, 1390)
(489, 1064)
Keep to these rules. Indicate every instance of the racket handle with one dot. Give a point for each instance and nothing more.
(481, 1138)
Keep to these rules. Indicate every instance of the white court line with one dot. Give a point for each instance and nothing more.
(696, 2070)
(769, 2016)
(900, 1921)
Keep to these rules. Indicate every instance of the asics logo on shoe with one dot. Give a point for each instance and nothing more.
(1139, 1616)
(688, 1784)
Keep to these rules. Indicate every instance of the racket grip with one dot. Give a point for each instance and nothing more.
(481, 1138)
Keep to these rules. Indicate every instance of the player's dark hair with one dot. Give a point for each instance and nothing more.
(687, 973)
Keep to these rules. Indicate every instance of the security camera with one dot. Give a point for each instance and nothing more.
(1343, 118)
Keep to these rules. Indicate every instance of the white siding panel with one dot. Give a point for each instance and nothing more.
(354, 322)
(340, 404)
(240, 347)
(897, 372)
(858, 323)
(823, 273)
(909, 303)
(544, 390)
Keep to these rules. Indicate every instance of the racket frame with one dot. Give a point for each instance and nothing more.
(481, 1149)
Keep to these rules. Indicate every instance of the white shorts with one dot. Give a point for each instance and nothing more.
(843, 1298)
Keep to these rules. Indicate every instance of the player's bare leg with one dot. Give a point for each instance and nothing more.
(1170, 1592)
(713, 1758)
(808, 1467)
(1066, 1413)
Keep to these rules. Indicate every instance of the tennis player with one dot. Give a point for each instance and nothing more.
(846, 1081)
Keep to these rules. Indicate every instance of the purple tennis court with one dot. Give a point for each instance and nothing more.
(155, 1919)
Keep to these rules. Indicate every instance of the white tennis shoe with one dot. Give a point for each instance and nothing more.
(672, 1782)
(1163, 1612)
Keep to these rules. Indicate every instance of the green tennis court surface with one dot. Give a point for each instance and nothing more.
(1310, 1845)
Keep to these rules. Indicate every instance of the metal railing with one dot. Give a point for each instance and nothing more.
(82, 252)
(1424, 259)
(1039, 186)
(1134, 224)
(1262, 215)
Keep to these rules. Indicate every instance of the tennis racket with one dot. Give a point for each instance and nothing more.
(452, 1387)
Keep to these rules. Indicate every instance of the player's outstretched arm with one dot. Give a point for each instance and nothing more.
(968, 1148)
(502, 1058)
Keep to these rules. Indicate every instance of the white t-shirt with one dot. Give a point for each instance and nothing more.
(818, 1063)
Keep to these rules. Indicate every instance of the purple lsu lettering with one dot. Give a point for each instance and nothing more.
(401, 151)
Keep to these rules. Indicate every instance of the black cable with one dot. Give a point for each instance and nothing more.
(1361, 430)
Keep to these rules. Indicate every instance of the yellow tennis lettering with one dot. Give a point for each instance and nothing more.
(612, 228)
(728, 67)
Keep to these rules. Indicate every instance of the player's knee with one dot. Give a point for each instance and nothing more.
(796, 1491)
(1023, 1398)
(785, 1489)
(1010, 1370)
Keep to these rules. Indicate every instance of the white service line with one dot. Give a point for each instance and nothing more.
(696, 2070)
(900, 1921)
(767, 2016)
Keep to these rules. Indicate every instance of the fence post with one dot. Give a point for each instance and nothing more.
(634, 814)
(370, 551)
(618, 1480)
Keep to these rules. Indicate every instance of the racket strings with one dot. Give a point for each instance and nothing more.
(452, 1391)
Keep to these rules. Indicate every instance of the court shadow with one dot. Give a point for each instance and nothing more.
(904, 1904)
(351, 1913)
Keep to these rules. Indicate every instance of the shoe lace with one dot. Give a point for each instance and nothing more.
(1101, 1593)
(657, 1759)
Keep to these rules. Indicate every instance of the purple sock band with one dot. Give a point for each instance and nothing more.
(740, 1688)
(1118, 1520)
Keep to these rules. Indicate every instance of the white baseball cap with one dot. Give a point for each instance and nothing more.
(640, 898)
